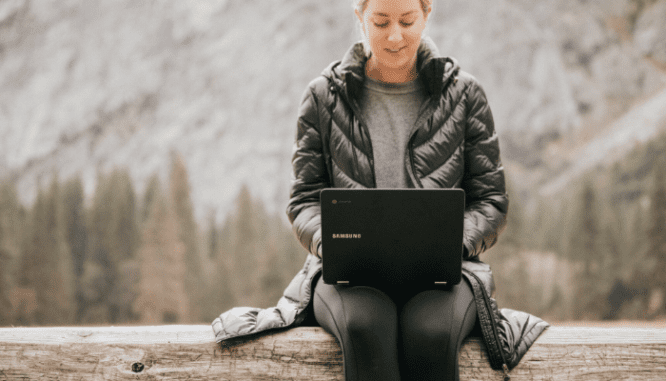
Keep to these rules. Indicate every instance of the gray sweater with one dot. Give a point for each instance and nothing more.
(390, 111)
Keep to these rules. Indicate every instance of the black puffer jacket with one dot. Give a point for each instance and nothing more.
(452, 145)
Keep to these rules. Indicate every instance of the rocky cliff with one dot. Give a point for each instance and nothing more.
(89, 85)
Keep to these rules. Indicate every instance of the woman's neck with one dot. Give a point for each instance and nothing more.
(376, 71)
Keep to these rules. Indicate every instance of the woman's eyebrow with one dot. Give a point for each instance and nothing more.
(385, 15)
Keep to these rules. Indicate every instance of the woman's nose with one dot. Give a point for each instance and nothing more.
(395, 34)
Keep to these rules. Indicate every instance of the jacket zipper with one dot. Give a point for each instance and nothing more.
(486, 301)
(425, 116)
(364, 127)
(410, 148)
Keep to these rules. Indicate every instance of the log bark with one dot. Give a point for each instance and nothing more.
(306, 353)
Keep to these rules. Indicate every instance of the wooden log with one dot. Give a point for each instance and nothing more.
(306, 353)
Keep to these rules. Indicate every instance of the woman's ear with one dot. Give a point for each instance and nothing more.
(361, 25)
(427, 13)
(359, 15)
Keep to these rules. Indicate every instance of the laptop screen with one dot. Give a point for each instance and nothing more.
(392, 236)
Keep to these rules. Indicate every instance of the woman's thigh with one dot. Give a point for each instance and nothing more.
(433, 324)
(365, 322)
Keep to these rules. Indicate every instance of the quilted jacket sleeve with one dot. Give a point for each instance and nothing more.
(487, 202)
(310, 175)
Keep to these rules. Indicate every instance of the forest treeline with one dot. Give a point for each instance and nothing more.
(119, 258)
(596, 251)
(124, 259)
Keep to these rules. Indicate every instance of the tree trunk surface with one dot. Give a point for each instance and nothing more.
(182, 352)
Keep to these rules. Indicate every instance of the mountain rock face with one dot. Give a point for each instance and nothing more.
(555, 71)
(86, 86)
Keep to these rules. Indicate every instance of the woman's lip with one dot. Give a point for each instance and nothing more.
(394, 50)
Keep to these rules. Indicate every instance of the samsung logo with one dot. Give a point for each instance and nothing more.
(347, 236)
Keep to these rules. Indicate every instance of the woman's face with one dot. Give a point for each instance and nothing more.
(393, 29)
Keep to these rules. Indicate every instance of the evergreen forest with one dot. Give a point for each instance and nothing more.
(596, 252)
(123, 258)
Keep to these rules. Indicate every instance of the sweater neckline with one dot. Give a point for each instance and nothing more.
(409, 87)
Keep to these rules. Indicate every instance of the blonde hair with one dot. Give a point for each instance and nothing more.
(360, 5)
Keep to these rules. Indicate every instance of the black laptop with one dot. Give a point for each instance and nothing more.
(392, 237)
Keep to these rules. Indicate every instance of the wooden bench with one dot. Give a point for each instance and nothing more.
(307, 353)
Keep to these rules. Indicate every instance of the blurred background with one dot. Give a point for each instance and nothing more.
(145, 152)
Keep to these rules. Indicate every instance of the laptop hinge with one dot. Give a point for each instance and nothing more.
(343, 282)
(440, 282)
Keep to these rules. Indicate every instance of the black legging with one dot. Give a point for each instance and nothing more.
(397, 335)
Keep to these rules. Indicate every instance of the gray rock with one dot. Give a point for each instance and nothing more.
(86, 86)
(650, 33)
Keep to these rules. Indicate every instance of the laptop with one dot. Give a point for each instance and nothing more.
(392, 237)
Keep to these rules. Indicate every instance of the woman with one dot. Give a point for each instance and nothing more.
(392, 114)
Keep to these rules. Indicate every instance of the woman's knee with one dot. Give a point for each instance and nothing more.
(369, 311)
(426, 320)
(354, 309)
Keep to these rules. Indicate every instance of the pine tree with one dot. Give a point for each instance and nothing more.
(584, 249)
(75, 224)
(188, 233)
(615, 229)
(149, 195)
(114, 239)
(213, 237)
(657, 232)
(220, 294)
(590, 230)
(5, 285)
(583, 229)
(256, 256)
(124, 227)
(47, 262)
(32, 270)
(290, 249)
(550, 233)
(273, 262)
(244, 243)
(272, 279)
(162, 297)
(281, 259)
(76, 233)
(12, 228)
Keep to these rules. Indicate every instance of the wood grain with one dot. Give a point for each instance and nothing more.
(305, 353)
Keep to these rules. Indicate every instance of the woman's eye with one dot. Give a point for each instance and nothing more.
(407, 23)
(383, 25)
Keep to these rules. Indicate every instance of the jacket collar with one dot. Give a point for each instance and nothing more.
(434, 71)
